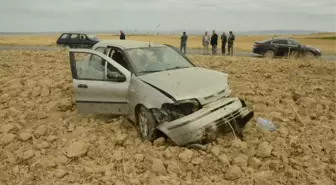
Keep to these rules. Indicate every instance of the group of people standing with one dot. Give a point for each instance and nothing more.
(206, 41)
(213, 41)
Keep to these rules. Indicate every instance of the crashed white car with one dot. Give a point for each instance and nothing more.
(158, 88)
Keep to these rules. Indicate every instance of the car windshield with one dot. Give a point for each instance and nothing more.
(154, 59)
(92, 37)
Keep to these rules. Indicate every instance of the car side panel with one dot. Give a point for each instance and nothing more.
(144, 94)
(99, 96)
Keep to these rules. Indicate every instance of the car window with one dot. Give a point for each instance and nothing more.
(292, 42)
(153, 59)
(74, 36)
(65, 36)
(92, 67)
(82, 37)
(97, 62)
(87, 67)
(95, 65)
(279, 42)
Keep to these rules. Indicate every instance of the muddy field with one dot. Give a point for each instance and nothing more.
(43, 140)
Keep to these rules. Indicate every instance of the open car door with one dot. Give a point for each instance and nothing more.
(101, 84)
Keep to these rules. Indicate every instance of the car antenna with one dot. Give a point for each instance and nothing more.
(150, 36)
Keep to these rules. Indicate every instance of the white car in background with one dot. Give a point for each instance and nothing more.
(158, 88)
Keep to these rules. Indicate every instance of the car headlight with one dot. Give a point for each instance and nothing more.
(173, 111)
(185, 107)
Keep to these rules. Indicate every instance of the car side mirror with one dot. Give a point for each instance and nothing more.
(115, 76)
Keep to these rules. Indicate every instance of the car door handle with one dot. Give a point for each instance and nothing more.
(82, 86)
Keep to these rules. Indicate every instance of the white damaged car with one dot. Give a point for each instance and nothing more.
(158, 88)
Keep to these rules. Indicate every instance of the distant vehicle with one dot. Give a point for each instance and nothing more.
(277, 47)
(77, 40)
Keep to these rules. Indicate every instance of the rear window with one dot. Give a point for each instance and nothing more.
(264, 41)
(65, 36)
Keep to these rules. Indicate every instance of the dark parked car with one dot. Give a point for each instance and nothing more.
(284, 47)
(77, 40)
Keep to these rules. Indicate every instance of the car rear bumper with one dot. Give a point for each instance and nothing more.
(257, 50)
(195, 128)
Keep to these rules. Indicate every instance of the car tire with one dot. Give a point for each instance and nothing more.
(147, 124)
(269, 54)
(294, 55)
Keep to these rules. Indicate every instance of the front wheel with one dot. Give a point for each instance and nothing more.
(309, 55)
(147, 124)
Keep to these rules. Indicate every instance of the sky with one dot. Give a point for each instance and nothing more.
(105, 15)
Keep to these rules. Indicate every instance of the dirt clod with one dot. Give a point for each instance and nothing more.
(25, 136)
(60, 173)
(28, 154)
(224, 160)
(158, 167)
(264, 149)
(7, 139)
(159, 142)
(215, 150)
(76, 149)
(233, 173)
(186, 156)
(254, 163)
(121, 138)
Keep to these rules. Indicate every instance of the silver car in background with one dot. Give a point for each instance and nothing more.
(158, 88)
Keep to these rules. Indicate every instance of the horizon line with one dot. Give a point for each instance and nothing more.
(175, 30)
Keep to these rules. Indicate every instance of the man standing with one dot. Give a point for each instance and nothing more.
(205, 42)
(231, 40)
(214, 39)
(184, 39)
(224, 40)
(122, 35)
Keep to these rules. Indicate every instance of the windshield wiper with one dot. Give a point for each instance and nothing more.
(150, 71)
(154, 71)
(177, 67)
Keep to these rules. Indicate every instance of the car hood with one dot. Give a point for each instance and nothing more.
(188, 83)
(311, 48)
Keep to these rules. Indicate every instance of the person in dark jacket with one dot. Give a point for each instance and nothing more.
(213, 42)
(231, 40)
(224, 40)
(122, 35)
(184, 39)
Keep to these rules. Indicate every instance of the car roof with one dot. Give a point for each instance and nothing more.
(279, 38)
(282, 38)
(126, 44)
(74, 33)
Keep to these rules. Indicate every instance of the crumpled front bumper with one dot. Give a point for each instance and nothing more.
(194, 128)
